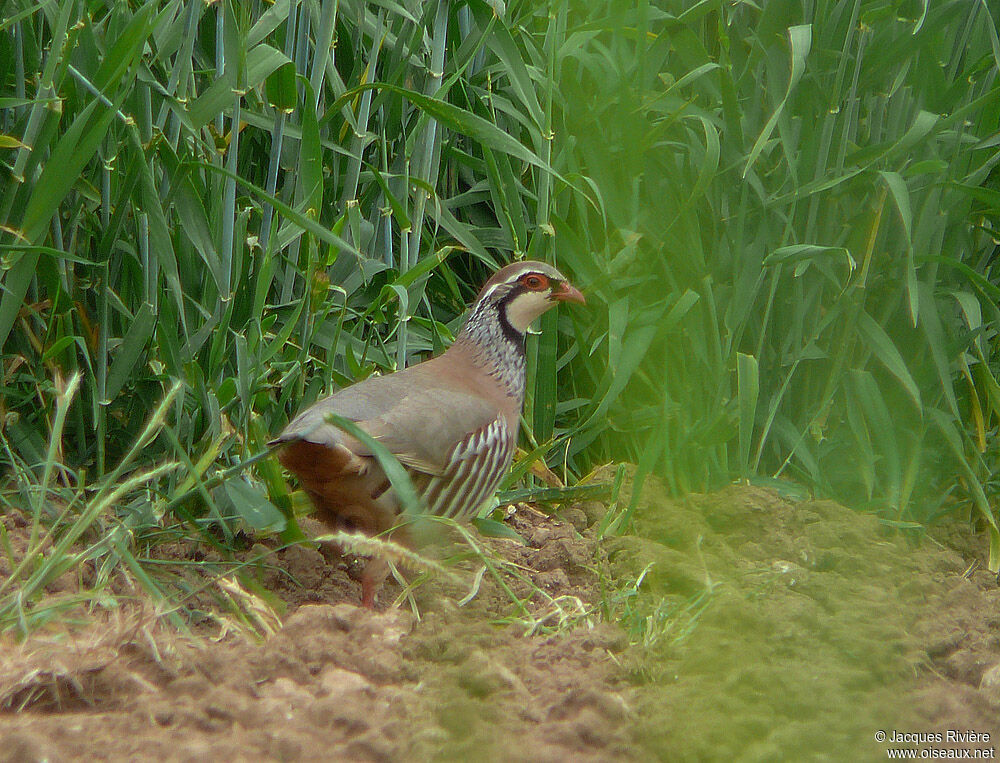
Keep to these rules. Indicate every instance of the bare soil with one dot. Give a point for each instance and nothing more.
(763, 629)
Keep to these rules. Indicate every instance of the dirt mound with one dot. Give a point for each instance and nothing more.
(760, 629)
(812, 628)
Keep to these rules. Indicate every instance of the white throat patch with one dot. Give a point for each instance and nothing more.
(525, 307)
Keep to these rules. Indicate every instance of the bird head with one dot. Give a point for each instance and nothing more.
(523, 291)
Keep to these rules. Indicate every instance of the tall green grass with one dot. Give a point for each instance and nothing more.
(797, 244)
(258, 201)
(784, 217)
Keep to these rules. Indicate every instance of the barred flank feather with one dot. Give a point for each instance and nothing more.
(474, 469)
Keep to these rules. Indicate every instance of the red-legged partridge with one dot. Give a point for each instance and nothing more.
(452, 421)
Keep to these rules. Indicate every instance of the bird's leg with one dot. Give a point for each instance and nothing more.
(372, 577)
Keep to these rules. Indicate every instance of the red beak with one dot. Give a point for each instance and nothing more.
(568, 293)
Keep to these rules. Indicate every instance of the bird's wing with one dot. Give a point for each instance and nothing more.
(420, 423)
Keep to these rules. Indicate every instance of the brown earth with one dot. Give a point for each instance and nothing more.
(743, 626)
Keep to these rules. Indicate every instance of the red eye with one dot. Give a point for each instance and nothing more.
(535, 282)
